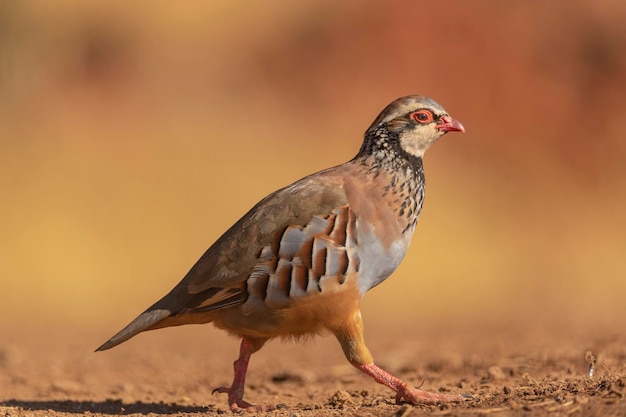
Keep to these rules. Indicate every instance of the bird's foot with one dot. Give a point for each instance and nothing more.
(238, 405)
(417, 396)
(407, 393)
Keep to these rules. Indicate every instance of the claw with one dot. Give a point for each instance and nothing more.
(238, 405)
(417, 396)
(220, 390)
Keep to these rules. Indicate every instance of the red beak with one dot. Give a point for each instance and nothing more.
(448, 124)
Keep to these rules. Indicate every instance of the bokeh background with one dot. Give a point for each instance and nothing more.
(132, 134)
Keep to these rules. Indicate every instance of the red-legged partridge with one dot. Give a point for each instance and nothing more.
(300, 261)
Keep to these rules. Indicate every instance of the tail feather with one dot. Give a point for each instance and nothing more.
(144, 322)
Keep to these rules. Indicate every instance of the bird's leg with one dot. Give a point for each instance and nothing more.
(404, 391)
(235, 391)
(350, 335)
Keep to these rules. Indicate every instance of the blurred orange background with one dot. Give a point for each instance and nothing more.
(132, 134)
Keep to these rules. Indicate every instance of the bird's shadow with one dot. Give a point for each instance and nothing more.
(111, 407)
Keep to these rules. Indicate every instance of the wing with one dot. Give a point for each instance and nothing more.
(285, 222)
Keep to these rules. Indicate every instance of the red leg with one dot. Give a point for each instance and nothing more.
(235, 391)
(350, 335)
(406, 392)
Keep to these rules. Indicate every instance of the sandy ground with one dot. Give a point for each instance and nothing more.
(513, 371)
(132, 137)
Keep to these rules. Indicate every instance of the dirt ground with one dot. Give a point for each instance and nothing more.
(512, 371)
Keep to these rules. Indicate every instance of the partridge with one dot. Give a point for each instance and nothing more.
(299, 262)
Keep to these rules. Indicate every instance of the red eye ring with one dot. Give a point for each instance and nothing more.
(422, 116)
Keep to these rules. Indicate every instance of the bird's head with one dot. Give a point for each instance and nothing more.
(415, 122)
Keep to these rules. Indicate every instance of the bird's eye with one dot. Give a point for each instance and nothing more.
(422, 116)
